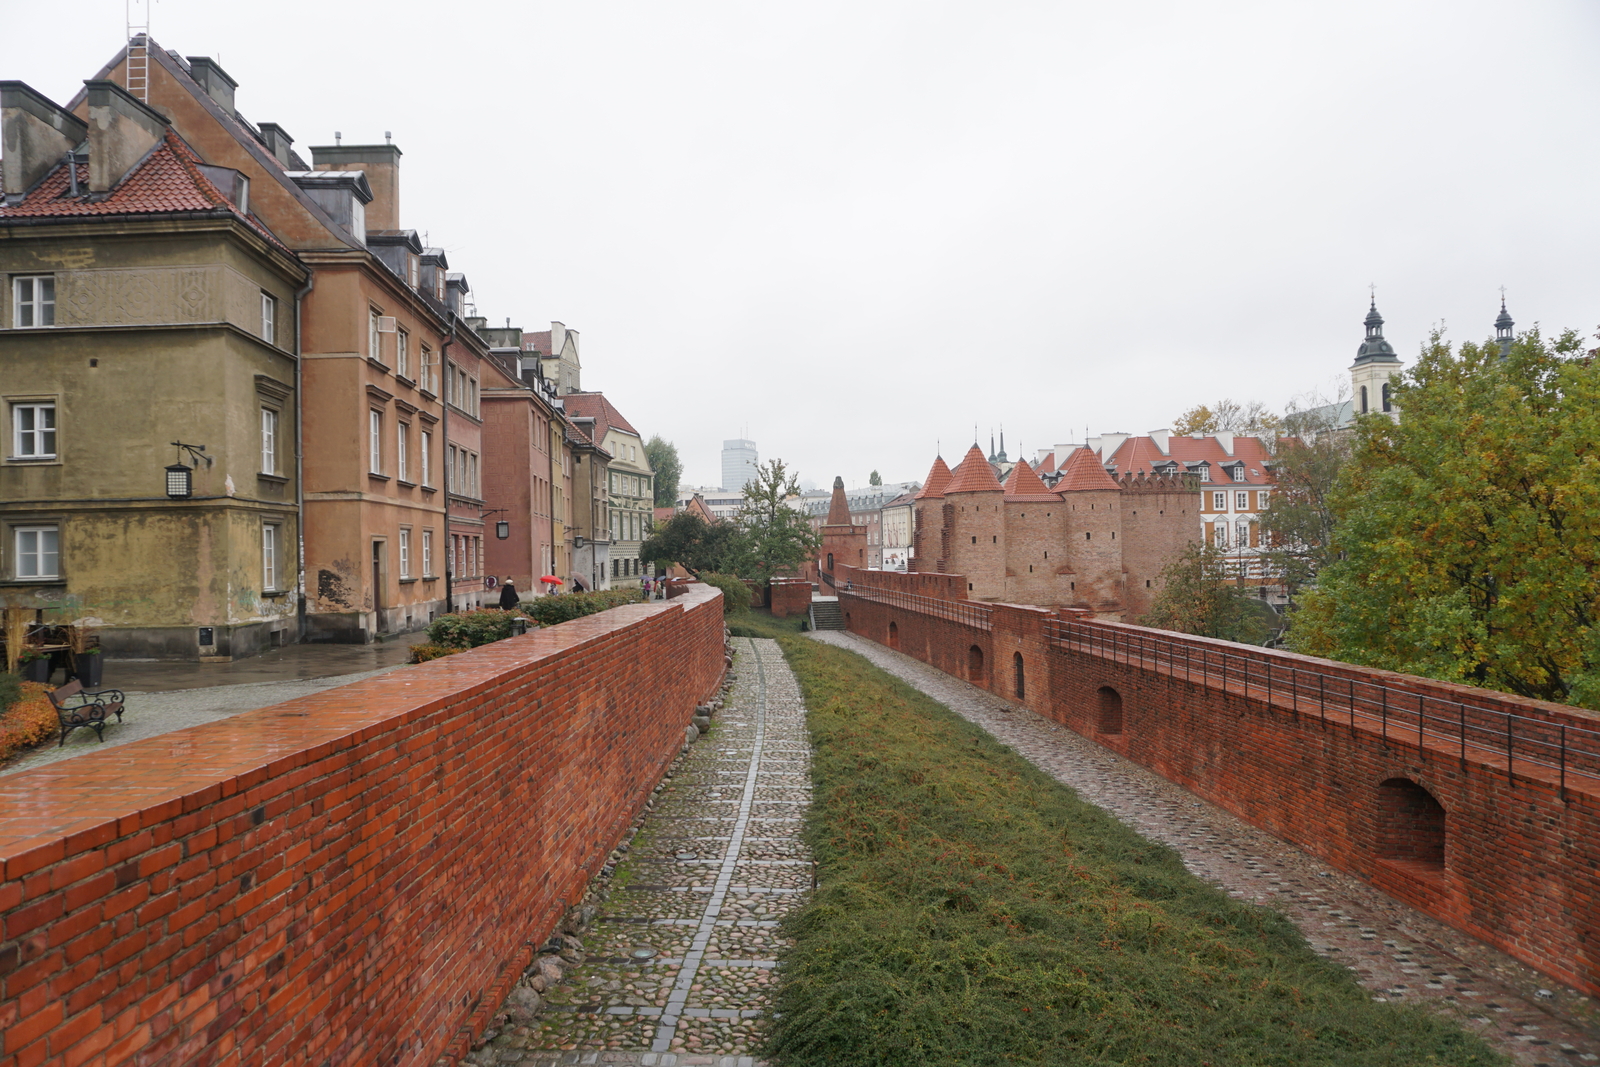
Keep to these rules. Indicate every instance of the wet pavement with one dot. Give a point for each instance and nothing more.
(1394, 950)
(163, 696)
(714, 868)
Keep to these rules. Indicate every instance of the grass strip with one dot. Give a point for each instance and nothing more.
(974, 911)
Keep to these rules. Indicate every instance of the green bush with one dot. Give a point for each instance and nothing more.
(550, 610)
(423, 653)
(10, 690)
(469, 629)
(735, 594)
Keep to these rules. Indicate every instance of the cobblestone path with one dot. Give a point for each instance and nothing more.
(1396, 951)
(706, 880)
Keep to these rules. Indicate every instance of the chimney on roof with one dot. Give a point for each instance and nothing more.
(122, 131)
(214, 80)
(278, 142)
(34, 134)
(381, 162)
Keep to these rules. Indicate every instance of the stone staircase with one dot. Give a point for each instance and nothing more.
(825, 615)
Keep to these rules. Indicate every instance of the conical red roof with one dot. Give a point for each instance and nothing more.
(838, 507)
(1024, 483)
(938, 478)
(974, 475)
(1082, 470)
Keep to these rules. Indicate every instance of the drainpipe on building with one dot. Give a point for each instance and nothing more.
(299, 466)
(449, 472)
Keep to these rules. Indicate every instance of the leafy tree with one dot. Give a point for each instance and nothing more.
(1298, 524)
(693, 543)
(777, 538)
(1198, 596)
(875, 478)
(1468, 533)
(1254, 419)
(663, 457)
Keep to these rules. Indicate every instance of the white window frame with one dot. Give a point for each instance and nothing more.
(40, 308)
(1238, 474)
(269, 441)
(32, 437)
(1219, 501)
(1241, 530)
(405, 552)
(37, 554)
(269, 556)
(402, 352)
(375, 441)
(403, 432)
(427, 552)
(425, 377)
(1241, 500)
(374, 337)
(472, 474)
(269, 318)
(425, 459)
(1221, 539)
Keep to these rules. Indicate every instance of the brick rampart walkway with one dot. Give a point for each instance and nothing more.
(1395, 950)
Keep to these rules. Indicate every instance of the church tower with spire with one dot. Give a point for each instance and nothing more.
(1375, 364)
(1504, 329)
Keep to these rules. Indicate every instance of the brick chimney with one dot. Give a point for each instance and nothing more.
(34, 135)
(381, 162)
(122, 131)
(214, 80)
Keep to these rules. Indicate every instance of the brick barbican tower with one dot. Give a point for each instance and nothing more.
(843, 542)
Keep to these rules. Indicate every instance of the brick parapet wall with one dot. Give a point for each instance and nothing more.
(1521, 852)
(917, 583)
(350, 877)
(790, 596)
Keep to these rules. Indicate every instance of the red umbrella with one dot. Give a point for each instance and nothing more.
(552, 579)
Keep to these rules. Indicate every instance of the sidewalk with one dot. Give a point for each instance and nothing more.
(163, 696)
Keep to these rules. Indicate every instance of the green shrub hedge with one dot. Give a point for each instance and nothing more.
(549, 610)
(469, 629)
(735, 594)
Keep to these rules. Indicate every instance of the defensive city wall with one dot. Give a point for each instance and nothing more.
(1479, 808)
(352, 877)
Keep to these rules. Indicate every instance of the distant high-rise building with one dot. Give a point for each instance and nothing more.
(738, 463)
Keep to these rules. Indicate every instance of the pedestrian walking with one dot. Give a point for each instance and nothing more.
(509, 597)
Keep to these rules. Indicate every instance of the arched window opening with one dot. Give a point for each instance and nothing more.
(1363, 400)
(1016, 666)
(894, 636)
(1386, 406)
(975, 665)
(1411, 824)
(830, 562)
(1110, 710)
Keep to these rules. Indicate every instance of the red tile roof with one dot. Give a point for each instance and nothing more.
(1048, 464)
(1024, 484)
(974, 475)
(1137, 455)
(540, 340)
(595, 406)
(1082, 471)
(938, 478)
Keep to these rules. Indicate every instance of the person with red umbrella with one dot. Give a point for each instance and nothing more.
(552, 584)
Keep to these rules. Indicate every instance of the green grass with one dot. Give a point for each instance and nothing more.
(973, 911)
(758, 622)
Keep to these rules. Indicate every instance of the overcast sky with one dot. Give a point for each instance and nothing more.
(854, 230)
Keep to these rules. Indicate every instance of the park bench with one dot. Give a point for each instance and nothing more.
(77, 706)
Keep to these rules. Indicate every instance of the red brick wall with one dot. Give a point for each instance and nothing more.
(930, 583)
(1521, 854)
(790, 596)
(352, 877)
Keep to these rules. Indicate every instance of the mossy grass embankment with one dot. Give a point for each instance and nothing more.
(760, 622)
(973, 911)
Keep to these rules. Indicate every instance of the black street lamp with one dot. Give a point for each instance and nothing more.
(502, 529)
(180, 478)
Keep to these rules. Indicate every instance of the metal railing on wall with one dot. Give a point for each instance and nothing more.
(965, 612)
(1438, 723)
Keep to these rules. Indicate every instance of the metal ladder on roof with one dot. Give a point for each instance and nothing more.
(138, 21)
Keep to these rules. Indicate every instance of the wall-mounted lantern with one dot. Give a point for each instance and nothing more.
(502, 529)
(180, 478)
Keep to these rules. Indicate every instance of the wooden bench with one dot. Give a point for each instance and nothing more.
(76, 706)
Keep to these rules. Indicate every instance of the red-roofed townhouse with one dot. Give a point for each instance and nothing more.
(629, 483)
(372, 334)
(1233, 477)
(145, 302)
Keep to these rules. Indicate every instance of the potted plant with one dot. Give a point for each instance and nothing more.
(35, 664)
(86, 661)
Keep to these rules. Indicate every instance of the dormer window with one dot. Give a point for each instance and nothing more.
(1238, 474)
(413, 263)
